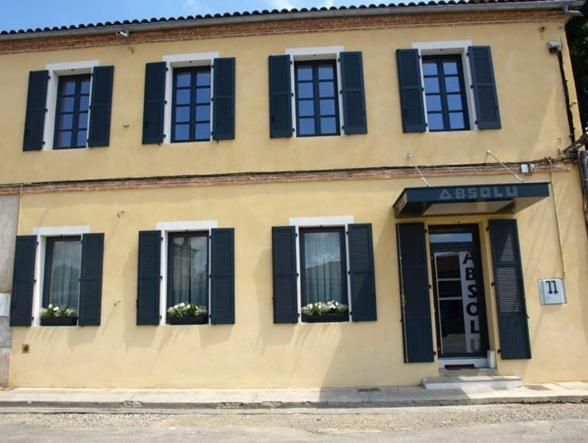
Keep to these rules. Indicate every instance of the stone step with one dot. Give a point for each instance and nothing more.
(469, 382)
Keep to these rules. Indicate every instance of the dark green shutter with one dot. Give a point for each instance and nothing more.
(154, 105)
(223, 119)
(484, 87)
(91, 279)
(509, 289)
(414, 288)
(222, 276)
(352, 93)
(361, 273)
(36, 109)
(411, 90)
(284, 274)
(100, 108)
(23, 281)
(149, 278)
(280, 95)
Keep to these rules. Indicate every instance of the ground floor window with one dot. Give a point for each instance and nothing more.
(323, 274)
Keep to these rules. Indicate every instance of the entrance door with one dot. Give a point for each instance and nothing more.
(462, 334)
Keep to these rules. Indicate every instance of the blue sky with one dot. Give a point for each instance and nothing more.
(19, 14)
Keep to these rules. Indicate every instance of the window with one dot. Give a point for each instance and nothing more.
(324, 268)
(71, 115)
(317, 107)
(63, 261)
(191, 104)
(188, 269)
(445, 93)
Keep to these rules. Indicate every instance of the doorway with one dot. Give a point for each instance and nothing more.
(460, 311)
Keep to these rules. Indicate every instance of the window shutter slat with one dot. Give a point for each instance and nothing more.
(411, 90)
(484, 87)
(154, 105)
(149, 278)
(414, 288)
(91, 280)
(223, 125)
(284, 274)
(353, 94)
(362, 273)
(23, 280)
(222, 275)
(36, 108)
(280, 92)
(101, 106)
(510, 290)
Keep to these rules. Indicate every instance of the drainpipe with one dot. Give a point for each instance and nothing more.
(583, 166)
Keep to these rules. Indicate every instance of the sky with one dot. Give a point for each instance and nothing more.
(23, 14)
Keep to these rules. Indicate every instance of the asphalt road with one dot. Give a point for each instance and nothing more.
(504, 423)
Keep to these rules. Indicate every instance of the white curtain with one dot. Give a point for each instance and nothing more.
(190, 274)
(322, 263)
(65, 273)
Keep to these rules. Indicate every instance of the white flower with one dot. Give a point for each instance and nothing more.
(56, 308)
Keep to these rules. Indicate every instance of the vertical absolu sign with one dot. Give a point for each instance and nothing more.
(469, 291)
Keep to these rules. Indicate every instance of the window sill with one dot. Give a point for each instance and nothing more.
(326, 318)
(59, 321)
(197, 320)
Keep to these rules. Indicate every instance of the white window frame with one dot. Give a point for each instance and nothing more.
(57, 70)
(179, 226)
(318, 53)
(184, 61)
(42, 234)
(450, 47)
(341, 221)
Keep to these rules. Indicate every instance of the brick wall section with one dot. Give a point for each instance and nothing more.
(279, 27)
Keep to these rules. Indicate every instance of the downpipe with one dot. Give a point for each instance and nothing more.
(583, 166)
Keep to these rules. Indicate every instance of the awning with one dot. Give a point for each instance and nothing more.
(471, 199)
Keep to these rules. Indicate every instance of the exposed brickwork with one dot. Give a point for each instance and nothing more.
(280, 27)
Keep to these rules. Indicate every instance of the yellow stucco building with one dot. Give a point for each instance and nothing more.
(336, 197)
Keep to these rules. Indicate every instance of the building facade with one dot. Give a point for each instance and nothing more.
(338, 197)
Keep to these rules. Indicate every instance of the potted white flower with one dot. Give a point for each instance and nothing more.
(55, 315)
(187, 314)
(323, 312)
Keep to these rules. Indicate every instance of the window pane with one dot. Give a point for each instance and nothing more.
(326, 72)
(182, 114)
(433, 103)
(456, 120)
(84, 101)
(305, 108)
(203, 95)
(202, 131)
(429, 68)
(304, 73)
(203, 78)
(83, 120)
(189, 258)
(450, 68)
(65, 121)
(454, 102)
(435, 122)
(65, 263)
(203, 113)
(327, 107)
(306, 126)
(182, 132)
(64, 139)
(183, 79)
(69, 87)
(305, 90)
(323, 279)
(81, 138)
(183, 96)
(452, 84)
(328, 125)
(432, 84)
(85, 87)
(67, 104)
(326, 89)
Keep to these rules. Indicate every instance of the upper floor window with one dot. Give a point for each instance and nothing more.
(317, 106)
(71, 115)
(445, 93)
(191, 104)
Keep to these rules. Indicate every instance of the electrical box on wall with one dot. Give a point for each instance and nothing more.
(552, 291)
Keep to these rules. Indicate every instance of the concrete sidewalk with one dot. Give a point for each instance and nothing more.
(391, 396)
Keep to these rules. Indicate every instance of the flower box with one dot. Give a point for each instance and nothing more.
(326, 318)
(59, 321)
(188, 320)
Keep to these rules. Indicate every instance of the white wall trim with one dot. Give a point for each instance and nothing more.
(42, 233)
(182, 61)
(339, 220)
(444, 46)
(56, 70)
(178, 226)
(315, 53)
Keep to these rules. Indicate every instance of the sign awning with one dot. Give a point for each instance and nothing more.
(469, 199)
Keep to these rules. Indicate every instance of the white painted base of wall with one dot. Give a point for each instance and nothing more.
(464, 383)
